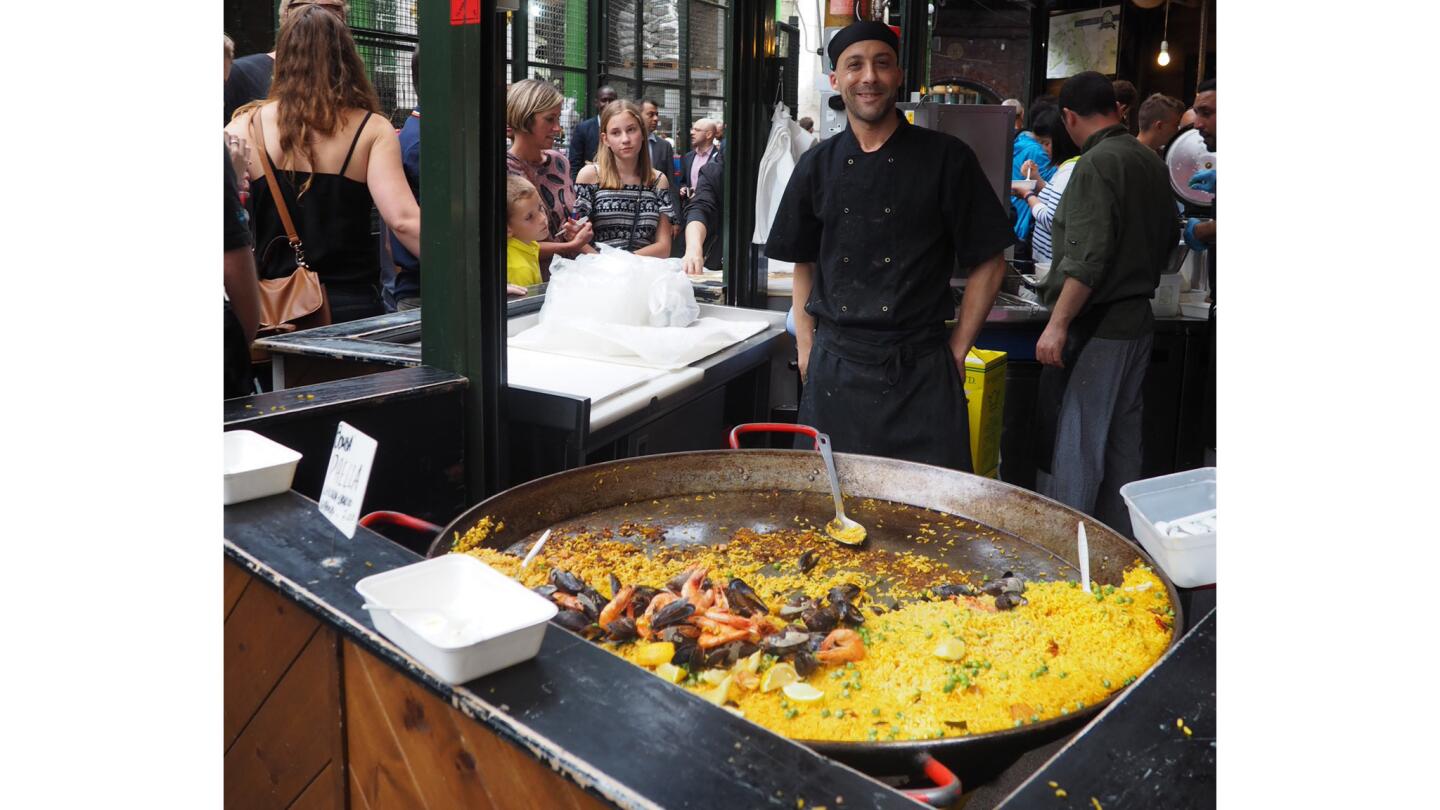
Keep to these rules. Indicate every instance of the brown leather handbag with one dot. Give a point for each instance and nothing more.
(297, 301)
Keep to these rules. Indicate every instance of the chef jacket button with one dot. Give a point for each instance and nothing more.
(887, 210)
(887, 259)
(892, 160)
(844, 308)
(851, 161)
(846, 259)
(847, 210)
(884, 309)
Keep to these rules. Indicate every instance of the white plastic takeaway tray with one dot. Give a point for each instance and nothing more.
(458, 616)
(1188, 561)
(256, 467)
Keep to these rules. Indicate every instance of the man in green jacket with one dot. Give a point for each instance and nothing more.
(1113, 232)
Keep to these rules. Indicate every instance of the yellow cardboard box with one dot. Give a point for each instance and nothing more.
(985, 390)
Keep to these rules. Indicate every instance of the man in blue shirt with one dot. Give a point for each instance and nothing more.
(404, 287)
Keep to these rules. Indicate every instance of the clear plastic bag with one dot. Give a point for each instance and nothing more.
(620, 288)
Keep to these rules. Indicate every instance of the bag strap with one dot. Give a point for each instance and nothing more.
(276, 193)
(635, 222)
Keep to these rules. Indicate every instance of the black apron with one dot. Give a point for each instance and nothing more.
(887, 393)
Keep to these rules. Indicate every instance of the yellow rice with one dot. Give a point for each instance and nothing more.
(1063, 651)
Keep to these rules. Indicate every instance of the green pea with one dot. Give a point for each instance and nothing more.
(824, 712)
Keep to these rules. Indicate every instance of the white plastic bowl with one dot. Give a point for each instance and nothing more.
(462, 619)
(1188, 561)
(256, 467)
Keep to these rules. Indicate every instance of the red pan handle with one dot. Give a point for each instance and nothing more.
(399, 519)
(947, 784)
(769, 427)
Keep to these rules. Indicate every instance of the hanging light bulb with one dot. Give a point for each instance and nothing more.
(1164, 58)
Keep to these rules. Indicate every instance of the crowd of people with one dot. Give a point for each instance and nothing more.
(874, 219)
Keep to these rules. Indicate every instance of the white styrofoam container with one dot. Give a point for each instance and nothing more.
(1188, 561)
(1166, 301)
(1200, 310)
(256, 467)
(471, 619)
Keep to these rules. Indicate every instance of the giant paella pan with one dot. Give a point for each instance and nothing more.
(958, 628)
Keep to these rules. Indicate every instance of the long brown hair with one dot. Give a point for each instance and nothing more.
(605, 159)
(318, 77)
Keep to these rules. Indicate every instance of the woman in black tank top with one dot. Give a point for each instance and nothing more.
(303, 126)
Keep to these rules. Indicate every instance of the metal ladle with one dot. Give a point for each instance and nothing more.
(842, 529)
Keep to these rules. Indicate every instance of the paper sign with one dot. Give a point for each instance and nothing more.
(464, 12)
(347, 477)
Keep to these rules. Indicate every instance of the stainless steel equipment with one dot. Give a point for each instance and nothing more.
(1185, 156)
(988, 129)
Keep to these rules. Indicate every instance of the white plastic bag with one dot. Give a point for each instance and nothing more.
(617, 287)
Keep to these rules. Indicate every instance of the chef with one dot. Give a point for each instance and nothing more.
(876, 218)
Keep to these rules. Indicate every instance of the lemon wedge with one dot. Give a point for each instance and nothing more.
(670, 672)
(713, 676)
(802, 692)
(653, 655)
(950, 649)
(750, 664)
(779, 676)
(720, 693)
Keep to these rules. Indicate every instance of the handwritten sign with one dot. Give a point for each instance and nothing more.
(347, 477)
(464, 12)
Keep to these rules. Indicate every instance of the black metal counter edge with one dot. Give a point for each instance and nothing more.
(574, 706)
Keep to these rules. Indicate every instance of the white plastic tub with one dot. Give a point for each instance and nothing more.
(1188, 561)
(458, 616)
(256, 467)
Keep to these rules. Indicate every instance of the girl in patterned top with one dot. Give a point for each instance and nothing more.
(627, 200)
(532, 111)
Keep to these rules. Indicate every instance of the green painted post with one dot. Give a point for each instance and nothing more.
(461, 177)
(577, 50)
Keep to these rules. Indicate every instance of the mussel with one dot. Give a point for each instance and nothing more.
(1009, 601)
(808, 560)
(727, 655)
(566, 581)
(591, 602)
(547, 590)
(673, 613)
(956, 589)
(574, 621)
(846, 593)
(796, 605)
(677, 582)
(1007, 583)
(786, 641)
(688, 654)
(614, 584)
(805, 663)
(622, 629)
(743, 599)
(841, 601)
(679, 634)
(642, 597)
(820, 619)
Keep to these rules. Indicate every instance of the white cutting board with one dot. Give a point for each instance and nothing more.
(596, 380)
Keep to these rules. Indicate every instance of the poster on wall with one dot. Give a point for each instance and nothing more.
(1081, 41)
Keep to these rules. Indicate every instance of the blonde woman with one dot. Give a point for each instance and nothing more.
(532, 111)
(628, 201)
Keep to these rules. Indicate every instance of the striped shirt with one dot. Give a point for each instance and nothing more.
(1044, 213)
(613, 212)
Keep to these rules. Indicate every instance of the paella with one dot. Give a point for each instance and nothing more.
(821, 642)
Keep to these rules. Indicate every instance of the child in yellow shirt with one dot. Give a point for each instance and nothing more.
(525, 225)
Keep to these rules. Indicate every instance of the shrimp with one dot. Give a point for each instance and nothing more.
(727, 635)
(642, 624)
(843, 644)
(615, 607)
(691, 590)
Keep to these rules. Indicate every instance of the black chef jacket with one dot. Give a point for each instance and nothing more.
(885, 230)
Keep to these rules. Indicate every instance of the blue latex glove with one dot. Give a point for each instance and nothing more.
(1193, 241)
(1203, 180)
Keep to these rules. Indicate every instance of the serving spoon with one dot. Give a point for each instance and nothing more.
(842, 529)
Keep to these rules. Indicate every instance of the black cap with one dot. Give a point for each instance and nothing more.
(859, 32)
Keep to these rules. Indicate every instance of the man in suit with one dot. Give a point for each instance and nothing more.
(662, 154)
(585, 138)
(704, 151)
